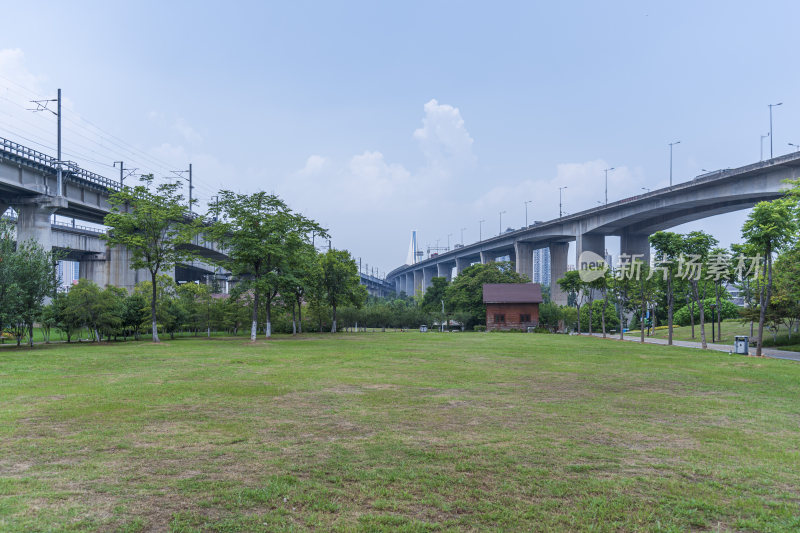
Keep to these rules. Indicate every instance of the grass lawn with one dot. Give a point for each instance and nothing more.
(397, 432)
(731, 328)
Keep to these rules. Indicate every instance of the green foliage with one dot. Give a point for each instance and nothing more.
(612, 320)
(728, 310)
(153, 225)
(434, 295)
(341, 282)
(465, 293)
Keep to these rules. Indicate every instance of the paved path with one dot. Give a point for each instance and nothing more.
(727, 348)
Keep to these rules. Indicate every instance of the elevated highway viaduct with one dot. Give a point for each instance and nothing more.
(632, 219)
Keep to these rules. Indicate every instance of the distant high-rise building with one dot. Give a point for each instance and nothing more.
(68, 272)
(541, 266)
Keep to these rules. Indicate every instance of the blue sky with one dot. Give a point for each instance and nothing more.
(378, 118)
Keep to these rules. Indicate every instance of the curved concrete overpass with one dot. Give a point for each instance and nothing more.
(633, 219)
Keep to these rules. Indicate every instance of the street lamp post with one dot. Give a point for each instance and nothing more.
(795, 145)
(762, 145)
(448, 241)
(480, 230)
(526, 212)
(670, 160)
(646, 189)
(501, 222)
(462, 236)
(560, 203)
(770, 126)
(607, 171)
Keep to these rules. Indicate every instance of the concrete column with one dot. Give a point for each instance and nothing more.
(591, 243)
(418, 284)
(445, 270)
(487, 257)
(635, 243)
(524, 259)
(427, 276)
(93, 268)
(558, 267)
(119, 272)
(3, 208)
(461, 264)
(409, 283)
(33, 223)
(398, 285)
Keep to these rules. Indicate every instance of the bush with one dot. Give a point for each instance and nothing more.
(728, 309)
(540, 329)
(478, 327)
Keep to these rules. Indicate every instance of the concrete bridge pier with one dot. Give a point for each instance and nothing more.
(589, 242)
(558, 267)
(524, 259)
(94, 268)
(461, 264)
(487, 257)
(445, 270)
(409, 283)
(399, 285)
(634, 244)
(428, 274)
(34, 217)
(417, 280)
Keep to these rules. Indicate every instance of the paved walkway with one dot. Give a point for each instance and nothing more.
(727, 348)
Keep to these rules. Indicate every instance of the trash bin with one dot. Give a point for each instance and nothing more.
(741, 345)
(423, 328)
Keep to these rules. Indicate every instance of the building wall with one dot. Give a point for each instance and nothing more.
(512, 314)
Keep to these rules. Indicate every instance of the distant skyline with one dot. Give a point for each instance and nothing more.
(380, 119)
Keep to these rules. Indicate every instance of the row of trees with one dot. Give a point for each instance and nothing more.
(694, 266)
(268, 247)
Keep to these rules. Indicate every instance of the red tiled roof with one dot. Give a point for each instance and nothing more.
(512, 293)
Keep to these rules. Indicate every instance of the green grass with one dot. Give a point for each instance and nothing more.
(397, 432)
(730, 328)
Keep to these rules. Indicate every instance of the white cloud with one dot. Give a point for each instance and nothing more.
(444, 139)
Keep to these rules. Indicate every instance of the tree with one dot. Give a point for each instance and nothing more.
(698, 245)
(302, 273)
(465, 293)
(573, 286)
(622, 287)
(787, 286)
(341, 282)
(33, 273)
(668, 246)
(434, 295)
(769, 228)
(153, 225)
(256, 229)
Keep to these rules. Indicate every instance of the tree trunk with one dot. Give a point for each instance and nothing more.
(579, 318)
(591, 302)
(719, 315)
(670, 309)
(294, 320)
(765, 296)
(702, 316)
(254, 317)
(603, 313)
(153, 276)
(621, 318)
(333, 325)
(268, 329)
(691, 316)
(299, 316)
(641, 321)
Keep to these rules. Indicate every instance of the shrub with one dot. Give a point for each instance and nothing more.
(728, 310)
(478, 327)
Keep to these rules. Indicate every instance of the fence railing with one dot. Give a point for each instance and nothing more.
(70, 169)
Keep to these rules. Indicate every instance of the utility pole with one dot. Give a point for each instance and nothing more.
(670, 160)
(189, 179)
(770, 126)
(41, 105)
(560, 202)
(526, 212)
(607, 171)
